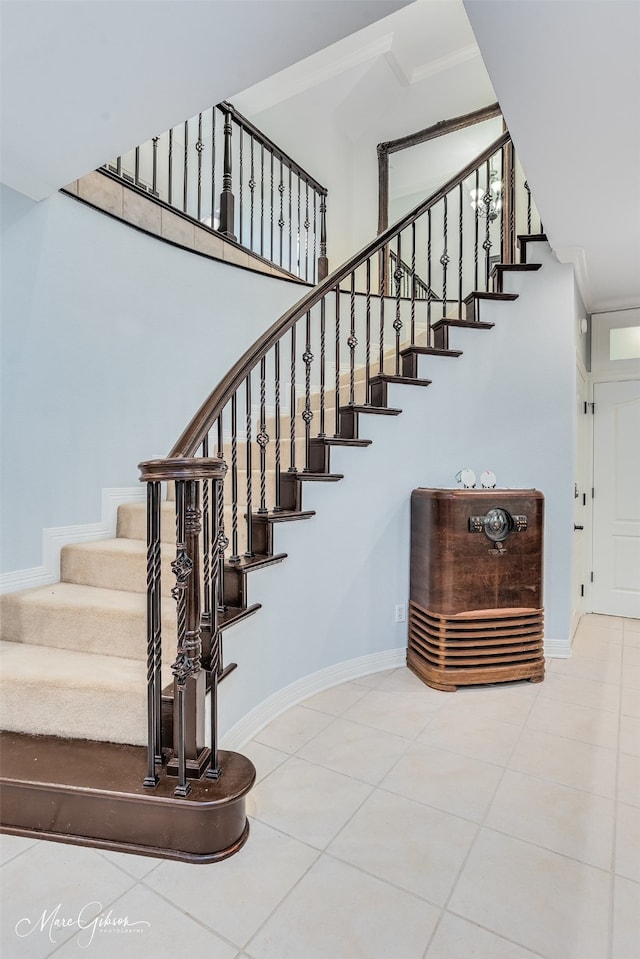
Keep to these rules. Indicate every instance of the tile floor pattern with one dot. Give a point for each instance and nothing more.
(391, 821)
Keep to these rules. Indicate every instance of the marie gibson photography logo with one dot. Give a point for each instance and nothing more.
(91, 920)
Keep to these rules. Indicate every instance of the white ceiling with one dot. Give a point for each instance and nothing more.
(567, 75)
(84, 80)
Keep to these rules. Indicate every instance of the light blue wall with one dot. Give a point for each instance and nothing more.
(110, 342)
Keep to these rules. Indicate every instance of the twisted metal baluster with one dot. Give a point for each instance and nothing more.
(352, 342)
(215, 770)
(221, 540)
(292, 401)
(241, 184)
(235, 556)
(322, 364)
(367, 368)
(170, 169)
(397, 323)
(382, 302)
(199, 149)
(185, 184)
(248, 441)
(209, 600)
(337, 409)
(413, 283)
(314, 273)
(486, 246)
(262, 199)
(277, 505)
(460, 249)
(307, 415)
(307, 224)
(263, 437)
(512, 203)
(271, 256)
(281, 220)
(154, 692)
(154, 169)
(429, 280)
(290, 223)
(444, 260)
(182, 668)
(528, 191)
(252, 187)
(476, 241)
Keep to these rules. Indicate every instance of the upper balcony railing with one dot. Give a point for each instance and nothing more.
(220, 170)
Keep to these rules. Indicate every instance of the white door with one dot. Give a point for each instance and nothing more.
(616, 504)
(581, 501)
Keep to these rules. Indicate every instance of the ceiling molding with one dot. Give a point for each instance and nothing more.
(577, 257)
(470, 52)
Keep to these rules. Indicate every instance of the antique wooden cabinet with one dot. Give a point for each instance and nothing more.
(475, 602)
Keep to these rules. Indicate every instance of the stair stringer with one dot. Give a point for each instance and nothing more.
(506, 405)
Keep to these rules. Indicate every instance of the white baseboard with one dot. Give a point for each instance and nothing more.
(557, 648)
(54, 538)
(291, 695)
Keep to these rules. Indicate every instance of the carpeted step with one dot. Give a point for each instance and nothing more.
(67, 693)
(119, 564)
(85, 618)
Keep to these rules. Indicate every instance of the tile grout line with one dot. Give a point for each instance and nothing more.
(612, 875)
(480, 826)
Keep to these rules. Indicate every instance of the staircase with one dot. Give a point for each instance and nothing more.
(92, 690)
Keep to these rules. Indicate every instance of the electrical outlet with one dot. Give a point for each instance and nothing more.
(401, 614)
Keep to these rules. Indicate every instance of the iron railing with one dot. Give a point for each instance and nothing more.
(295, 393)
(219, 169)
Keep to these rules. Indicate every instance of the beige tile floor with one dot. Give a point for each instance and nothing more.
(391, 821)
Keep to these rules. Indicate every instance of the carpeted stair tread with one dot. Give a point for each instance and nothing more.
(119, 564)
(72, 694)
(86, 618)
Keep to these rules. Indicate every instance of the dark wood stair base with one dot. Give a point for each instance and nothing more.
(379, 386)
(525, 239)
(409, 357)
(350, 417)
(473, 301)
(91, 794)
(499, 270)
(441, 330)
(320, 450)
(291, 486)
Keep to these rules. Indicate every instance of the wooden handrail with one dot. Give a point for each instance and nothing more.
(213, 406)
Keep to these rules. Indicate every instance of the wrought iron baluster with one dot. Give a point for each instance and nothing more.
(271, 257)
(397, 323)
(429, 280)
(185, 183)
(352, 342)
(182, 567)
(306, 225)
(252, 187)
(337, 383)
(281, 220)
(512, 203)
(241, 184)
(248, 441)
(170, 169)
(528, 192)
(290, 222)
(221, 542)
(208, 601)
(199, 149)
(136, 167)
(262, 199)
(235, 555)
(486, 246)
(367, 366)
(154, 638)
(476, 241)
(277, 506)
(381, 340)
(215, 771)
(413, 283)
(314, 258)
(460, 248)
(263, 437)
(444, 259)
(307, 415)
(154, 168)
(322, 364)
(299, 266)
(292, 402)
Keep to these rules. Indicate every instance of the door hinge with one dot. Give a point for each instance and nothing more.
(584, 499)
(593, 492)
(591, 575)
(582, 589)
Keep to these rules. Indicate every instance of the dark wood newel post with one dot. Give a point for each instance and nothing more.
(190, 756)
(323, 261)
(227, 200)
